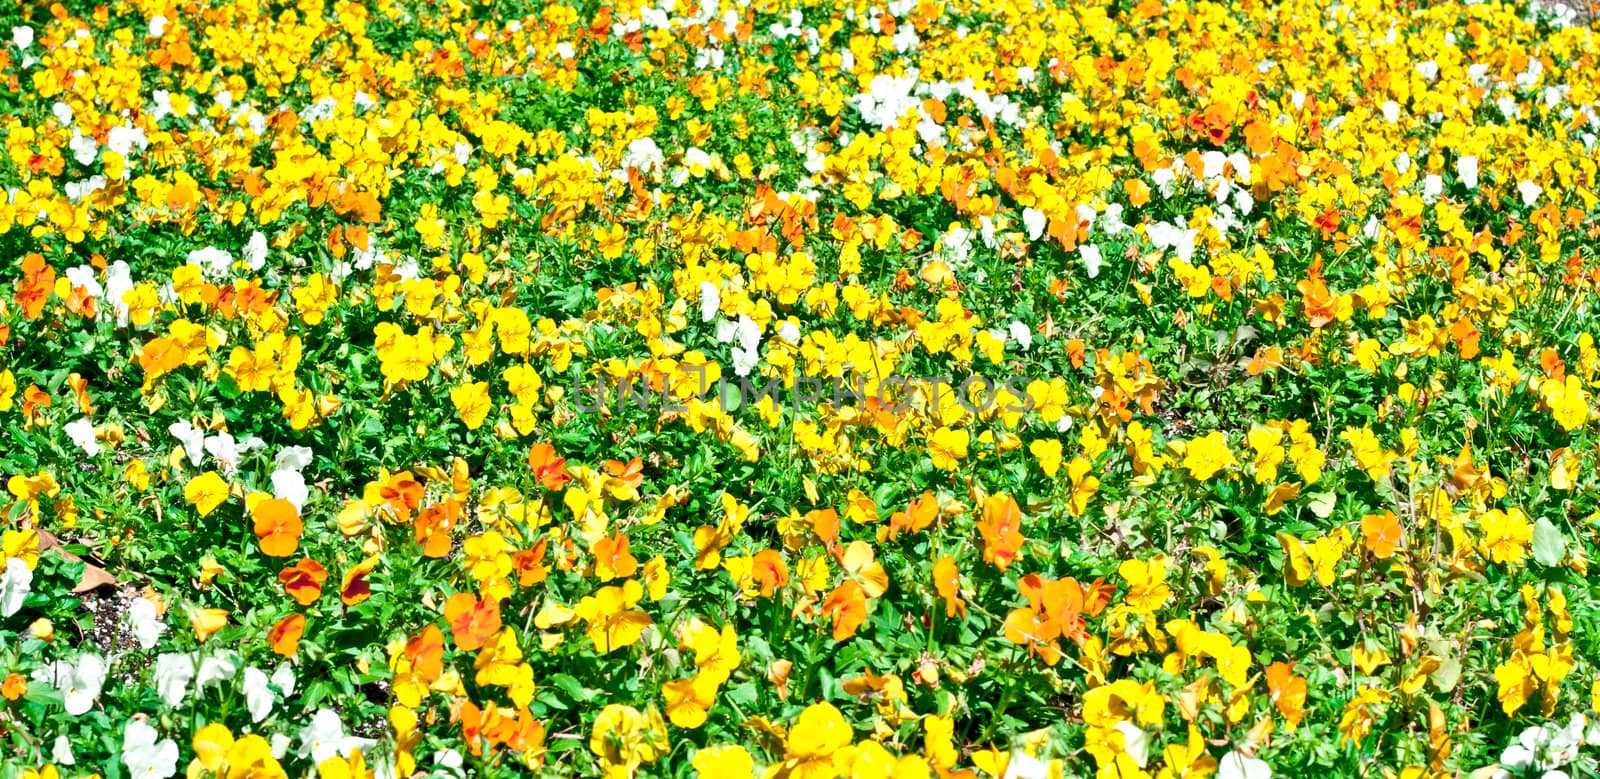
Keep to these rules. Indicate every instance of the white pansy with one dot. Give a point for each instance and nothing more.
(15, 585)
(172, 676)
(289, 485)
(22, 36)
(213, 262)
(1236, 765)
(255, 250)
(1135, 742)
(1530, 192)
(61, 751)
(146, 754)
(258, 695)
(1432, 187)
(192, 438)
(158, 26)
(217, 668)
(79, 682)
(1021, 334)
(293, 458)
(145, 623)
(1391, 111)
(1091, 258)
(83, 148)
(82, 434)
(283, 678)
(710, 301)
(1025, 766)
(1467, 169)
(325, 738)
(1034, 221)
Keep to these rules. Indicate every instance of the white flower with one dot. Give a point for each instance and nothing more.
(710, 301)
(283, 679)
(145, 755)
(1391, 111)
(82, 434)
(1091, 258)
(22, 36)
(255, 252)
(1135, 742)
(258, 696)
(289, 485)
(1467, 169)
(1020, 333)
(1179, 238)
(1025, 766)
(293, 458)
(1034, 220)
(1530, 192)
(217, 668)
(1235, 765)
(83, 148)
(789, 331)
(1432, 187)
(643, 154)
(192, 438)
(173, 673)
(15, 585)
(79, 682)
(61, 751)
(213, 262)
(145, 622)
(158, 25)
(325, 738)
(224, 450)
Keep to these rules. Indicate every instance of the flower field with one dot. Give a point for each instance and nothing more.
(799, 389)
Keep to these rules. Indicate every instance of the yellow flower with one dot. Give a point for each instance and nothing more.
(206, 492)
(733, 762)
(1147, 583)
(1204, 457)
(613, 622)
(1048, 452)
(472, 403)
(820, 731)
(689, 699)
(947, 447)
(1506, 535)
(624, 738)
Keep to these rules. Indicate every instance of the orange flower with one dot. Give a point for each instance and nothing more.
(472, 621)
(921, 513)
(16, 685)
(207, 622)
(355, 589)
(1001, 529)
(433, 527)
(947, 580)
(304, 581)
(769, 570)
(847, 605)
(278, 527)
(612, 560)
(550, 467)
(284, 637)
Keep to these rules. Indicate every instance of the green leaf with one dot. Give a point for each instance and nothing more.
(1549, 546)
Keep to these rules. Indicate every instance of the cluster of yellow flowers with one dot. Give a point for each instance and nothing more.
(794, 389)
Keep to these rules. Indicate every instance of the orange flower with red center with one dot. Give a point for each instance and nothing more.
(303, 581)
(472, 621)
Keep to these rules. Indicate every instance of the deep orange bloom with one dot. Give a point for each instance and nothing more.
(284, 637)
(303, 581)
(355, 589)
(472, 621)
(278, 527)
(551, 468)
(847, 605)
